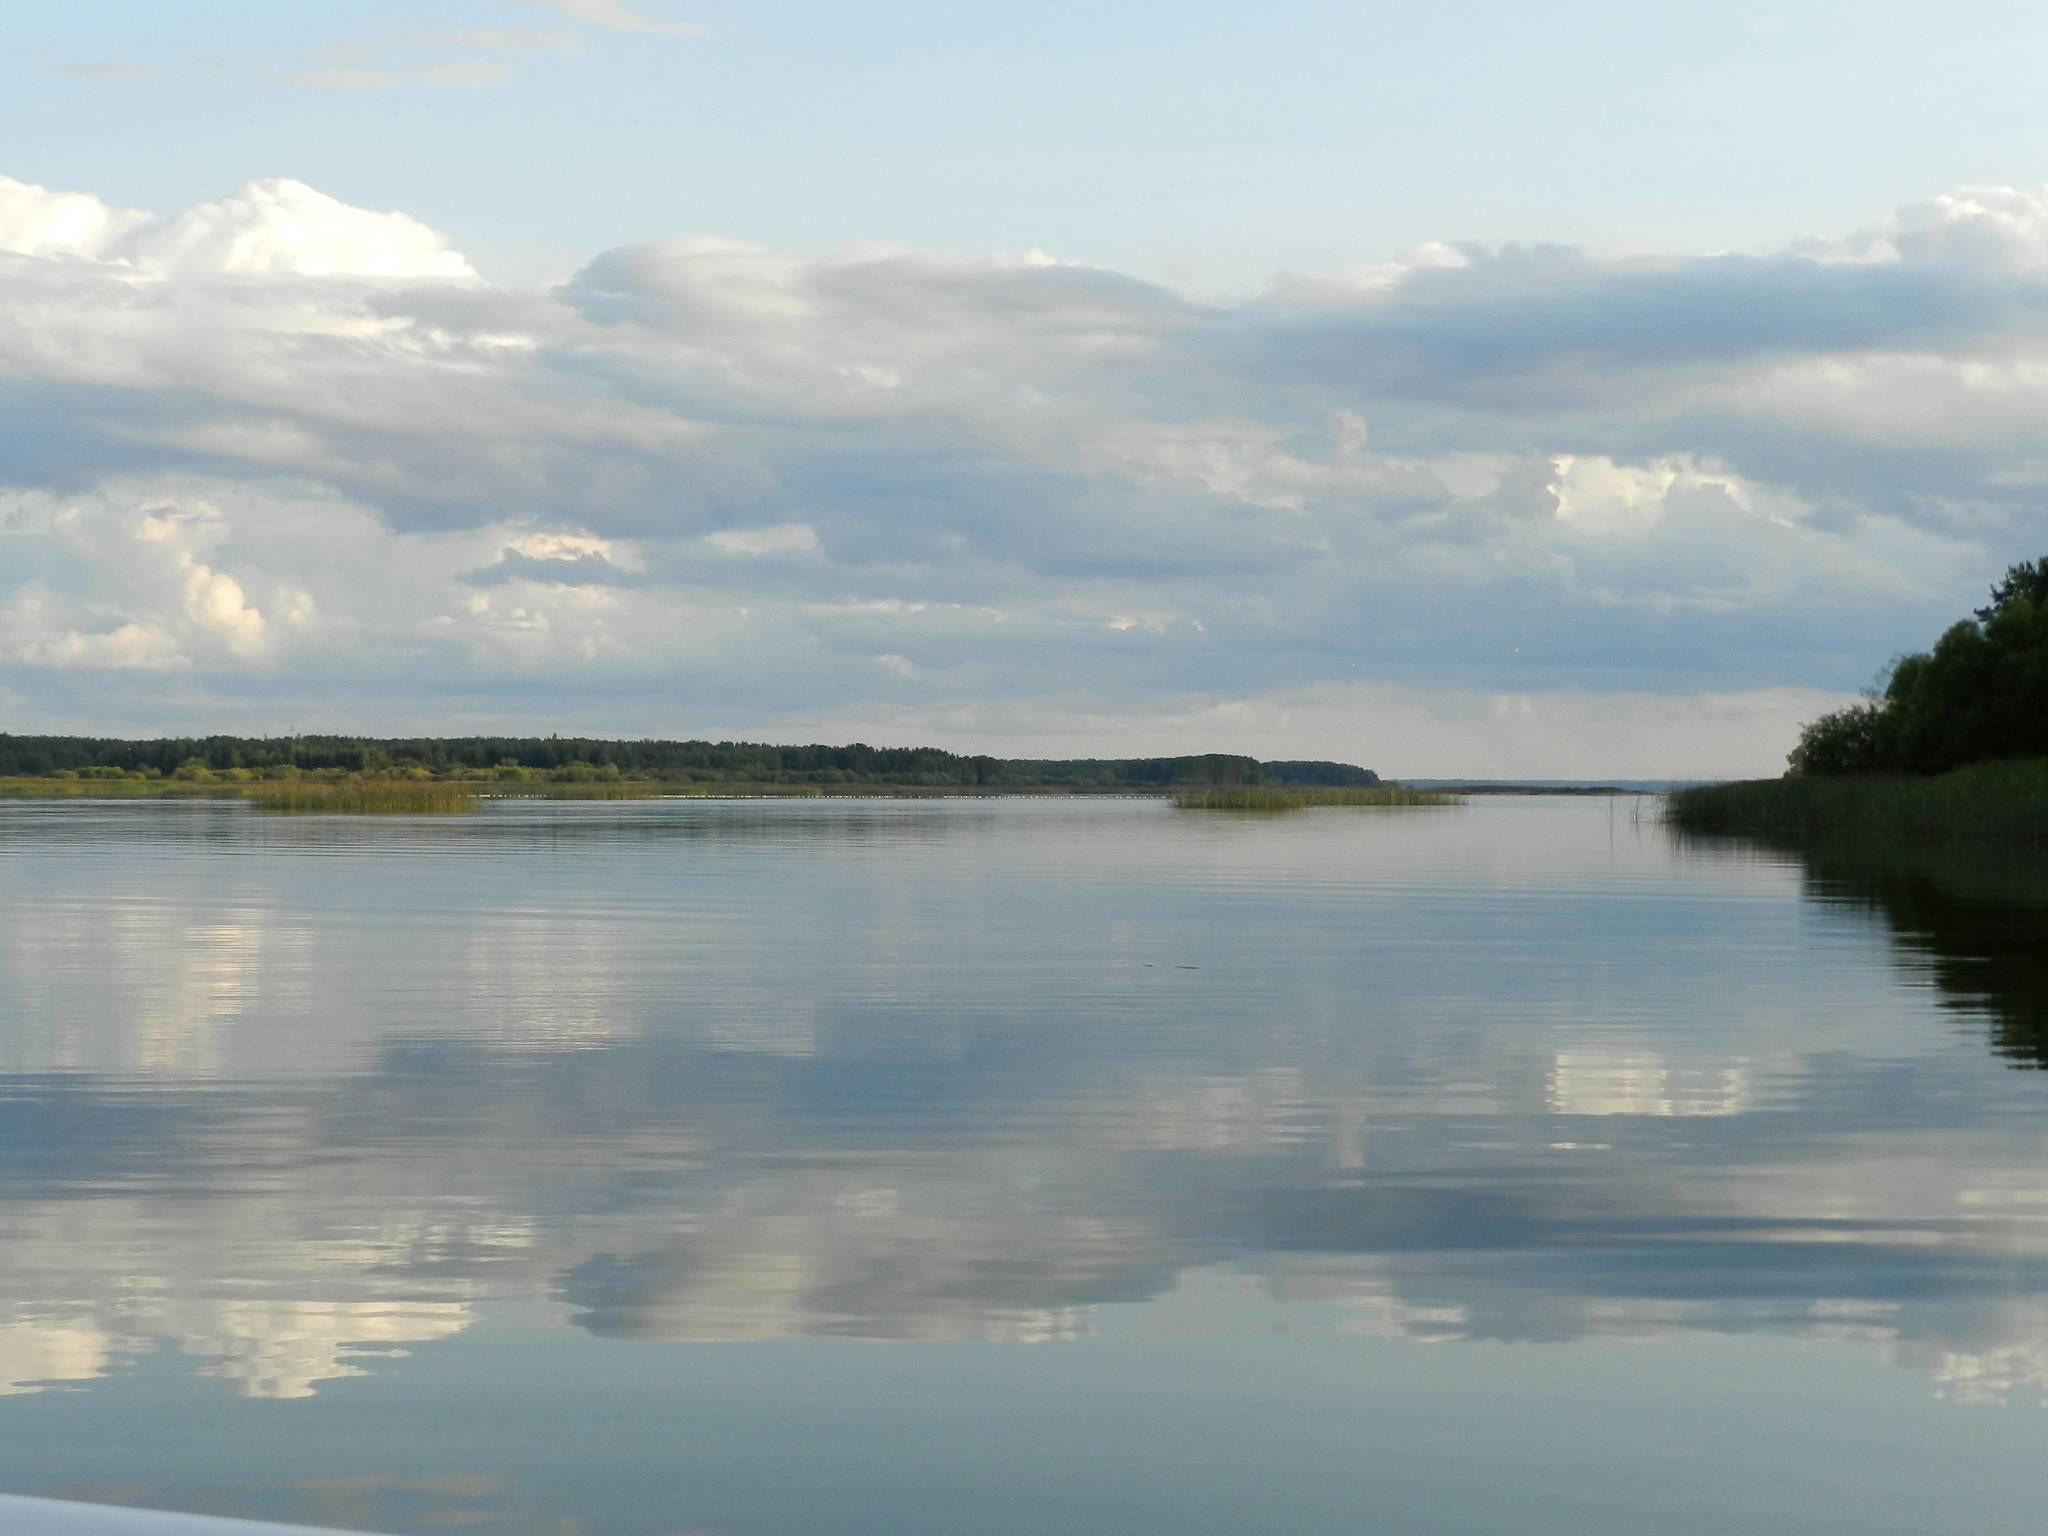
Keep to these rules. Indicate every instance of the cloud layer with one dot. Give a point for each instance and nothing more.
(279, 462)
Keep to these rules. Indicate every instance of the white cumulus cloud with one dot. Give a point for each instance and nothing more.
(2001, 229)
(285, 226)
(35, 221)
(778, 484)
(275, 226)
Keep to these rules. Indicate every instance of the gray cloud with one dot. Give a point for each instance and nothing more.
(113, 69)
(615, 16)
(921, 481)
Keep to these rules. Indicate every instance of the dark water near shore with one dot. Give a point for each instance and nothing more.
(813, 1168)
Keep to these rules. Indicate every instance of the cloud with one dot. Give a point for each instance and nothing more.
(615, 17)
(454, 74)
(37, 222)
(393, 61)
(277, 226)
(284, 226)
(788, 539)
(153, 604)
(899, 485)
(1398, 730)
(1997, 228)
(113, 69)
(502, 40)
(564, 558)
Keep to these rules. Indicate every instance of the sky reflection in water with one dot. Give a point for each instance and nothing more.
(372, 1171)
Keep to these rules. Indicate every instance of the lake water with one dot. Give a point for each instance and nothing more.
(813, 1168)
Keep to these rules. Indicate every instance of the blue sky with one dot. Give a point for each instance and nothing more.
(1205, 141)
(1582, 389)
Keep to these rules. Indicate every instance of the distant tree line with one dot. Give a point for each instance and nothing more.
(1980, 695)
(573, 758)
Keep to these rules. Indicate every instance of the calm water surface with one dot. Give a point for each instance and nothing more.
(832, 1167)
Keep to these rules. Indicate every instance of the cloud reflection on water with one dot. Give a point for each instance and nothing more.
(288, 1099)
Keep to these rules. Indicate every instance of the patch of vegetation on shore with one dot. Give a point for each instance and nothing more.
(339, 773)
(113, 787)
(1956, 746)
(405, 792)
(1267, 797)
(2001, 800)
(302, 795)
(578, 760)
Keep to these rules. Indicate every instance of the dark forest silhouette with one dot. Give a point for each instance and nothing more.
(678, 761)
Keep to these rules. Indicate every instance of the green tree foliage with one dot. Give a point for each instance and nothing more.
(1849, 740)
(1981, 694)
(559, 759)
(2027, 581)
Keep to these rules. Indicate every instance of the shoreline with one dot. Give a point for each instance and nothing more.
(2001, 800)
(425, 795)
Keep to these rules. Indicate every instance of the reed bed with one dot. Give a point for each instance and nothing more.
(360, 797)
(2006, 801)
(1299, 797)
(100, 789)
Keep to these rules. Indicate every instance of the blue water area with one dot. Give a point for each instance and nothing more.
(1047, 1166)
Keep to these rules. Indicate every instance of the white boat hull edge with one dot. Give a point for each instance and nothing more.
(61, 1517)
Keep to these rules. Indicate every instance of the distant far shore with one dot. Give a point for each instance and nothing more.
(676, 766)
(402, 794)
(122, 787)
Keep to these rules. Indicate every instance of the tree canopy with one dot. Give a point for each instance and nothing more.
(1981, 694)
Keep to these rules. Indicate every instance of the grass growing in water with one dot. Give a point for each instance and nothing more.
(1299, 797)
(101, 789)
(400, 796)
(361, 796)
(2006, 800)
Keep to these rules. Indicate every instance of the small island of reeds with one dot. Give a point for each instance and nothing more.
(362, 797)
(1956, 745)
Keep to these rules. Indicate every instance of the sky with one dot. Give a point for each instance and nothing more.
(1554, 391)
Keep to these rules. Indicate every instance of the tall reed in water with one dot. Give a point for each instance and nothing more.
(361, 797)
(96, 789)
(1991, 800)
